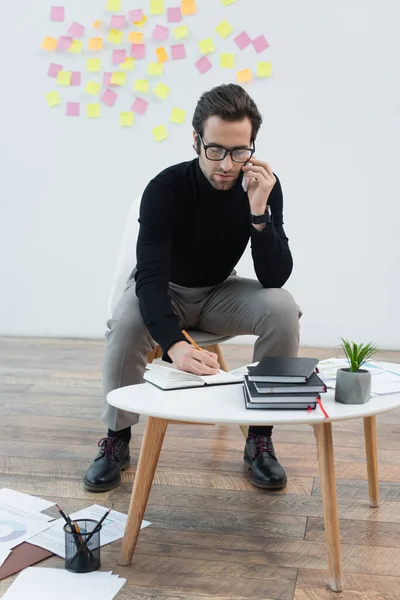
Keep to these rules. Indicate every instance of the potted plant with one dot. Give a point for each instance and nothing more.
(353, 384)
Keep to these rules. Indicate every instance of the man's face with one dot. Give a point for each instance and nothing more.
(224, 173)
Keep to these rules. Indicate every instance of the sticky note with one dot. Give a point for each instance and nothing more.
(244, 76)
(54, 69)
(64, 78)
(73, 109)
(206, 46)
(75, 78)
(141, 85)
(141, 22)
(76, 47)
(93, 65)
(118, 56)
(264, 69)
(161, 91)
(188, 7)
(136, 15)
(113, 5)
(138, 50)
(135, 37)
(178, 51)
(118, 22)
(95, 43)
(227, 61)
(92, 87)
(107, 79)
(260, 44)
(115, 36)
(128, 64)
(203, 65)
(227, 2)
(109, 97)
(49, 44)
(126, 119)
(160, 133)
(57, 13)
(53, 98)
(98, 24)
(242, 40)
(181, 32)
(177, 116)
(224, 29)
(155, 68)
(174, 15)
(160, 33)
(93, 111)
(140, 106)
(76, 30)
(118, 78)
(161, 54)
(64, 42)
(156, 7)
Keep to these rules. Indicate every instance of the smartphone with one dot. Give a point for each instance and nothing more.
(245, 180)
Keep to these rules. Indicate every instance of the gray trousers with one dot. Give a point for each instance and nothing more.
(238, 306)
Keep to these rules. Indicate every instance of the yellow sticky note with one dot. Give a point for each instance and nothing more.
(188, 7)
(113, 5)
(178, 116)
(92, 87)
(126, 119)
(160, 133)
(115, 36)
(98, 24)
(141, 85)
(224, 29)
(128, 64)
(93, 111)
(64, 77)
(206, 46)
(181, 32)
(161, 91)
(53, 98)
(162, 55)
(49, 44)
(227, 61)
(118, 78)
(93, 65)
(157, 7)
(75, 47)
(244, 76)
(264, 69)
(95, 44)
(142, 22)
(136, 37)
(227, 2)
(155, 68)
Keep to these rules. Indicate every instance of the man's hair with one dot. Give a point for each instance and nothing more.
(230, 102)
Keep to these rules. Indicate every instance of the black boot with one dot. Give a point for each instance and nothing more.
(104, 472)
(259, 454)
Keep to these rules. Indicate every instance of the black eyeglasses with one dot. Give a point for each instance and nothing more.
(216, 152)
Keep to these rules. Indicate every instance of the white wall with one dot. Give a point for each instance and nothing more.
(331, 132)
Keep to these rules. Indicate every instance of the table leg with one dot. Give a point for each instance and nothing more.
(323, 434)
(149, 453)
(372, 460)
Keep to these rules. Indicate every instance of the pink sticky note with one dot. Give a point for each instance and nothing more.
(76, 30)
(138, 50)
(203, 65)
(75, 78)
(53, 69)
(174, 15)
(242, 40)
(118, 22)
(160, 33)
(107, 79)
(260, 44)
(118, 57)
(73, 109)
(140, 106)
(109, 97)
(178, 51)
(57, 13)
(135, 16)
(64, 42)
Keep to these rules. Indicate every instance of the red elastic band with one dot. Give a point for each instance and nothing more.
(322, 408)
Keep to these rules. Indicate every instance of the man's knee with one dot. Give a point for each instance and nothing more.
(281, 312)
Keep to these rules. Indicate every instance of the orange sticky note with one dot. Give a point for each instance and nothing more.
(136, 37)
(95, 44)
(162, 55)
(49, 44)
(244, 76)
(98, 24)
(188, 7)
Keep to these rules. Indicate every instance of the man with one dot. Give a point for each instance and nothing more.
(195, 222)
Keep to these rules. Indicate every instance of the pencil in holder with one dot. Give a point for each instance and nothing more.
(82, 546)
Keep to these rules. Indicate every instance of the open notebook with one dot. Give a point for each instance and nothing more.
(169, 378)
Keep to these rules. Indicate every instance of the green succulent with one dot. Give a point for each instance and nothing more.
(358, 354)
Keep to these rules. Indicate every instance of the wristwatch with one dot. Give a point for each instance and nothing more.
(260, 219)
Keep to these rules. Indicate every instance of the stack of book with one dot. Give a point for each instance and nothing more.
(283, 383)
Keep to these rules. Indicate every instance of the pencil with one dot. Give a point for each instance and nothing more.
(191, 340)
(64, 516)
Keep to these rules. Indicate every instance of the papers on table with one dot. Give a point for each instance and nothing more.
(112, 529)
(47, 584)
(383, 381)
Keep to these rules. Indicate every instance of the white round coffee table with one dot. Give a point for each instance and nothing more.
(225, 404)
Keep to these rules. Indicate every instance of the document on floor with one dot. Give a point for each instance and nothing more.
(3, 555)
(113, 528)
(40, 584)
(17, 526)
(25, 502)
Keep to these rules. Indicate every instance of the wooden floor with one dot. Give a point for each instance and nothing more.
(213, 536)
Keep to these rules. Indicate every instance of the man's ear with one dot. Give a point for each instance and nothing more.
(196, 144)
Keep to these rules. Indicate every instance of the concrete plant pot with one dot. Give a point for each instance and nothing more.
(353, 387)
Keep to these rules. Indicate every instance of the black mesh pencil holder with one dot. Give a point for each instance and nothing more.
(82, 550)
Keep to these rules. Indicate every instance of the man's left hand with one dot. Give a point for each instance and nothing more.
(261, 180)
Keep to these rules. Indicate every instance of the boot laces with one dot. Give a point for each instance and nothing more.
(262, 444)
(110, 447)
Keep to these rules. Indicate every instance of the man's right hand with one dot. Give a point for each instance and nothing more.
(189, 359)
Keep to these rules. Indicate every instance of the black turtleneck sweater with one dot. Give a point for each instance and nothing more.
(194, 235)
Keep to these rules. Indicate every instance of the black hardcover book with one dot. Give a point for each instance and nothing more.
(283, 370)
(313, 385)
(293, 398)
